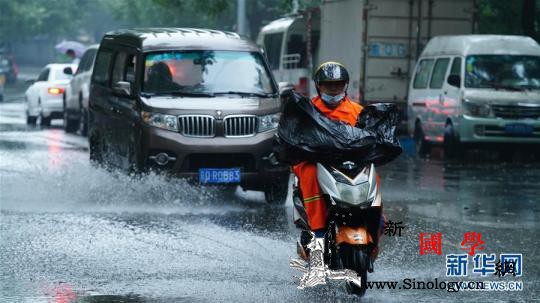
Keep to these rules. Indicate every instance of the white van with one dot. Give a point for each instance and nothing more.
(475, 89)
(77, 93)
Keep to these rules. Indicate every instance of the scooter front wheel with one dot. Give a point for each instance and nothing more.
(355, 257)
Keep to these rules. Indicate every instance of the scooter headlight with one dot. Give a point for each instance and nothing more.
(355, 195)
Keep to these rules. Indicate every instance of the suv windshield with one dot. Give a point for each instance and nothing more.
(503, 71)
(206, 73)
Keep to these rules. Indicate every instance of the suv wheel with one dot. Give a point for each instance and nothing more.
(276, 193)
(136, 164)
(96, 149)
(423, 147)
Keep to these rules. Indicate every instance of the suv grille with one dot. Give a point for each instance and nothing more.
(240, 126)
(516, 111)
(197, 126)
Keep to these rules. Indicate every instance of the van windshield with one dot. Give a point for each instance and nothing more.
(502, 71)
(206, 73)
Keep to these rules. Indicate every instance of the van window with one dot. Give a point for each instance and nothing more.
(87, 61)
(439, 71)
(296, 52)
(421, 76)
(502, 71)
(272, 46)
(83, 63)
(456, 67)
(101, 72)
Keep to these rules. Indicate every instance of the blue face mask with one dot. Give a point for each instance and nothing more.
(332, 101)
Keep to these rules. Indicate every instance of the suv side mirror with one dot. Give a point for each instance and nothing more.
(454, 80)
(122, 88)
(68, 71)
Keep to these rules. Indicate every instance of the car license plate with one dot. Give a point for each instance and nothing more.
(219, 175)
(518, 129)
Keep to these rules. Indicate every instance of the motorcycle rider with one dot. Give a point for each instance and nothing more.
(331, 81)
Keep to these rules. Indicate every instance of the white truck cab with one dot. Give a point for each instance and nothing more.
(291, 46)
(475, 89)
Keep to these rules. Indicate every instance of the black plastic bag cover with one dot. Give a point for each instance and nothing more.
(305, 134)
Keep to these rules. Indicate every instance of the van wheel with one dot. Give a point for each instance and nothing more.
(276, 193)
(423, 147)
(70, 125)
(83, 122)
(83, 117)
(452, 146)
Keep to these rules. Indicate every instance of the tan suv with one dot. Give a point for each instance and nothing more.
(196, 103)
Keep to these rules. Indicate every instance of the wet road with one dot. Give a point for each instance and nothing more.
(70, 232)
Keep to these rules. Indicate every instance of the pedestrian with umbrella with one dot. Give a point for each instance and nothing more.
(72, 49)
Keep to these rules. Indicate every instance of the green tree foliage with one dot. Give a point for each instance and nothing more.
(67, 19)
(172, 13)
(520, 17)
(22, 18)
(217, 14)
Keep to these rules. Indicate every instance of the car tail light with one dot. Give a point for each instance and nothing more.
(55, 90)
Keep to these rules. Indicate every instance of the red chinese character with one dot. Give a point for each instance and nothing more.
(471, 240)
(430, 243)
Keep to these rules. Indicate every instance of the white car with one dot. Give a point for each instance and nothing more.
(44, 96)
(77, 92)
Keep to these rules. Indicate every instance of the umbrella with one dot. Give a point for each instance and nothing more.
(77, 47)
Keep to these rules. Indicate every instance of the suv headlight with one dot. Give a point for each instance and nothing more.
(268, 122)
(168, 122)
(475, 109)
